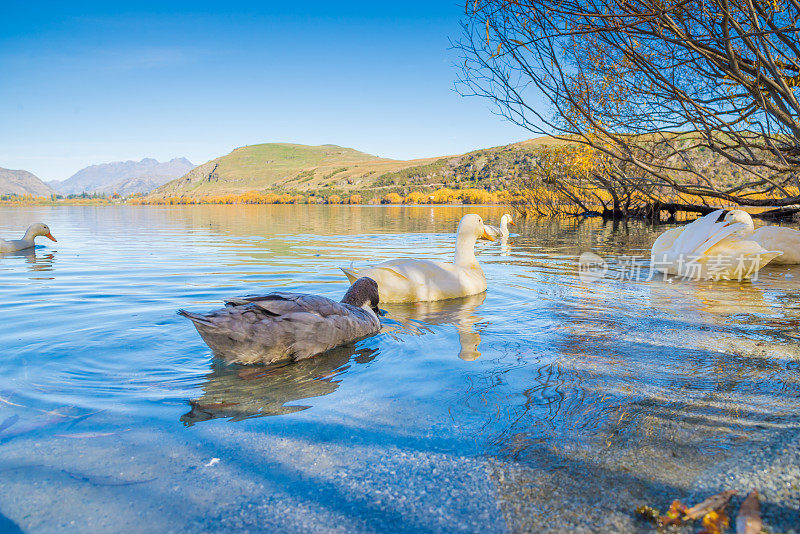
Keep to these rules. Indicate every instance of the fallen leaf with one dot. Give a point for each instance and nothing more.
(714, 523)
(714, 503)
(647, 512)
(748, 521)
(674, 513)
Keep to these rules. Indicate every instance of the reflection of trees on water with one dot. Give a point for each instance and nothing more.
(413, 318)
(323, 220)
(241, 392)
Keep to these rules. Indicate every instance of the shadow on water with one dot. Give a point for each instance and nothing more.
(241, 392)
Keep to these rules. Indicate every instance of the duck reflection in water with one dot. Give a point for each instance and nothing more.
(413, 318)
(241, 392)
(36, 262)
(504, 245)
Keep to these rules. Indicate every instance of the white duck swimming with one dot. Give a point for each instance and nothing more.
(408, 280)
(288, 326)
(707, 249)
(502, 230)
(787, 240)
(34, 231)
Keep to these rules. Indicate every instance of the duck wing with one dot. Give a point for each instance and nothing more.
(701, 234)
(380, 272)
(269, 328)
(493, 231)
(281, 304)
(665, 241)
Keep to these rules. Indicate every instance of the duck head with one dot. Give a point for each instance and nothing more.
(507, 219)
(363, 293)
(471, 226)
(39, 229)
(740, 216)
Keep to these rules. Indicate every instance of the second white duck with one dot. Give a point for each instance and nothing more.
(502, 230)
(706, 249)
(410, 280)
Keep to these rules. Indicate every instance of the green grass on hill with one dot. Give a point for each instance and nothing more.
(271, 161)
(282, 166)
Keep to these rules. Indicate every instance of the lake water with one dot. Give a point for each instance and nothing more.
(547, 404)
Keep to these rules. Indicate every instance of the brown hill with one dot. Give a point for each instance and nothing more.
(22, 183)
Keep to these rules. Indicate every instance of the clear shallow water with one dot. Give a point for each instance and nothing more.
(503, 411)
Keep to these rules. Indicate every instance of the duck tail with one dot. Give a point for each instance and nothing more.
(770, 255)
(350, 273)
(196, 318)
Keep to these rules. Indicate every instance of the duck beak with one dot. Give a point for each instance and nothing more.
(486, 236)
(378, 311)
(49, 236)
(512, 223)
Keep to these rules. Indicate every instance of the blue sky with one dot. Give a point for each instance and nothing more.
(93, 82)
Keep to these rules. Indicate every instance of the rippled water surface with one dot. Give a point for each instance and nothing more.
(512, 410)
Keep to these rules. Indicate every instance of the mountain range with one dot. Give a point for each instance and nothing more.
(324, 170)
(22, 183)
(123, 177)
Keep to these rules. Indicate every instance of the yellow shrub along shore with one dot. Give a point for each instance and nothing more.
(29, 200)
(439, 196)
(593, 198)
(546, 200)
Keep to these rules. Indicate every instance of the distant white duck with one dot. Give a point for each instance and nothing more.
(288, 326)
(787, 240)
(34, 231)
(707, 249)
(502, 230)
(409, 280)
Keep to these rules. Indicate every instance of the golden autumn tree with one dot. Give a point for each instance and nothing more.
(660, 87)
(392, 198)
(415, 197)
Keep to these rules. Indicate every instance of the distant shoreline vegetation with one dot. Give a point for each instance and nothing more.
(83, 198)
(535, 200)
(439, 196)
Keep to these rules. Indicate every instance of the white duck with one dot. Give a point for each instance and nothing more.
(34, 231)
(502, 230)
(787, 240)
(707, 249)
(288, 326)
(408, 280)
